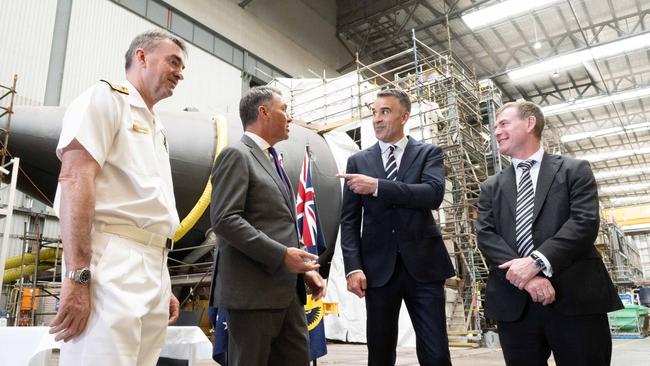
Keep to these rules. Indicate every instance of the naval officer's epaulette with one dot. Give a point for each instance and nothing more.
(117, 88)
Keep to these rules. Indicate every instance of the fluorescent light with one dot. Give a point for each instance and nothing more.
(625, 188)
(563, 62)
(614, 154)
(595, 101)
(637, 127)
(621, 173)
(503, 10)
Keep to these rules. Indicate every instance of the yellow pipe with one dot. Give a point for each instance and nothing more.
(188, 222)
(14, 273)
(30, 258)
(204, 201)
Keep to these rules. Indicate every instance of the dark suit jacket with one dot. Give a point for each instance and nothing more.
(254, 218)
(398, 219)
(565, 226)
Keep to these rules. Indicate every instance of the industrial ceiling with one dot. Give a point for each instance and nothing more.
(586, 62)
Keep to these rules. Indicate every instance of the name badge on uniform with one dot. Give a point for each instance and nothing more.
(140, 128)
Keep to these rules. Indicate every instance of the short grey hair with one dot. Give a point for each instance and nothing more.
(149, 41)
(403, 98)
(250, 102)
(526, 109)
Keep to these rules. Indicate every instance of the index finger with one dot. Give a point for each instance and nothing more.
(345, 175)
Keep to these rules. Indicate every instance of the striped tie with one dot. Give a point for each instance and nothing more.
(524, 217)
(391, 164)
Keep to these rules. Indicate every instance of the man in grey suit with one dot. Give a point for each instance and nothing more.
(548, 288)
(260, 271)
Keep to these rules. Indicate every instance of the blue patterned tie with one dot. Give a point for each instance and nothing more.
(524, 213)
(391, 164)
(278, 167)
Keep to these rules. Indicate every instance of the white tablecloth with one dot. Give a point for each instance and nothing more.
(32, 346)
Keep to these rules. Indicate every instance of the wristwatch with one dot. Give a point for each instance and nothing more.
(538, 261)
(81, 275)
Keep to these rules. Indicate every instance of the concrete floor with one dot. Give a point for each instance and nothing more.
(626, 352)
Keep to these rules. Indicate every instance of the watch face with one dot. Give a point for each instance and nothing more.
(84, 276)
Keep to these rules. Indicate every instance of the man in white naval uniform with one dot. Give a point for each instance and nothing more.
(117, 210)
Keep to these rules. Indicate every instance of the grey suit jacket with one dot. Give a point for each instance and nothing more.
(253, 217)
(565, 226)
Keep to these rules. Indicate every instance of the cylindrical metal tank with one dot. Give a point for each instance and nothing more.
(192, 138)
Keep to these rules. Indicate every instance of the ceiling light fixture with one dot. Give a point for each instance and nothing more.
(537, 44)
(613, 131)
(592, 102)
(566, 61)
(609, 155)
(621, 173)
(501, 11)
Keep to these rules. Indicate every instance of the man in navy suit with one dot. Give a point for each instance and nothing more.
(392, 248)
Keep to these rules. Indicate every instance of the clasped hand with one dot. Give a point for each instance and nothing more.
(522, 273)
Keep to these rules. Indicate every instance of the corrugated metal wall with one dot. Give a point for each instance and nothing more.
(25, 42)
(100, 33)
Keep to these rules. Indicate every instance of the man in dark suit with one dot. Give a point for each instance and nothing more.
(253, 215)
(398, 254)
(548, 288)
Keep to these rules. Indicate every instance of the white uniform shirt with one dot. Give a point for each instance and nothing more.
(134, 185)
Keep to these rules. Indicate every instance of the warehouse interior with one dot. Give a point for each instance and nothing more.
(585, 62)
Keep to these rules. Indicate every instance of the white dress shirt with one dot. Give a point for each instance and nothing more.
(261, 143)
(398, 152)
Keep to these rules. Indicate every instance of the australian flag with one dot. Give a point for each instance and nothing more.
(220, 344)
(312, 236)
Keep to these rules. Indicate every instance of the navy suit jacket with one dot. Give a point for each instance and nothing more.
(399, 219)
(565, 226)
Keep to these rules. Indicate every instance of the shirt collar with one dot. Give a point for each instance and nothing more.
(537, 156)
(383, 146)
(260, 142)
(135, 99)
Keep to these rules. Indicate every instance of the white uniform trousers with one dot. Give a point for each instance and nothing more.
(130, 292)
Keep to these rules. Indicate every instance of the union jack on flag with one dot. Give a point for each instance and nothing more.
(308, 221)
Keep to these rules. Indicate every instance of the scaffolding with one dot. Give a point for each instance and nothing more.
(33, 301)
(446, 110)
(604, 245)
(625, 264)
(7, 93)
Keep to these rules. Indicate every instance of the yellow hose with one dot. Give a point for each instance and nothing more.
(30, 258)
(14, 273)
(204, 201)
